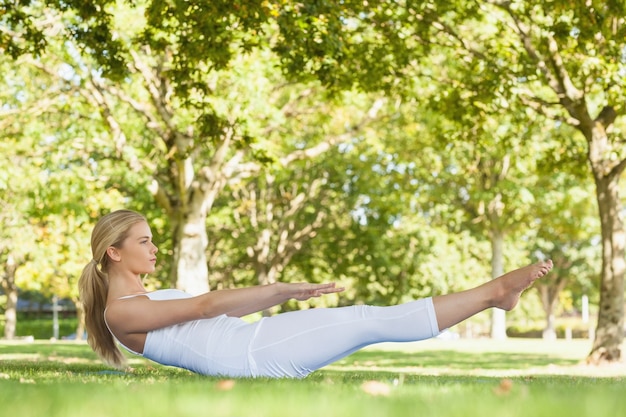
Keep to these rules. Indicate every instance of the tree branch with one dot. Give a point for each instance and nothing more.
(322, 147)
(159, 93)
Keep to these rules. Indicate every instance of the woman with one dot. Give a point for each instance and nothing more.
(205, 334)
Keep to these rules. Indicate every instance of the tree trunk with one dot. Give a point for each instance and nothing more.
(549, 332)
(190, 271)
(10, 289)
(190, 261)
(549, 295)
(606, 172)
(610, 329)
(498, 316)
(10, 314)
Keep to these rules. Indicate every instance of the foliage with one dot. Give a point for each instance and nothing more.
(136, 104)
(58, 180)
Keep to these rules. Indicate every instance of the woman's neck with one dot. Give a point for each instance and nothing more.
(122, 285)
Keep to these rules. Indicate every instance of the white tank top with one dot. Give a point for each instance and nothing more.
(167, 294)
(214, 346)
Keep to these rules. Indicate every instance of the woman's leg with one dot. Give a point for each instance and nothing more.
(297, 343)
(503, 292)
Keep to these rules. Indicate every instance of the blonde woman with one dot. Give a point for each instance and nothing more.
(206, 335)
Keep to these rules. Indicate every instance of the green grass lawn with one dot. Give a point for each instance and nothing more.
(433, 378)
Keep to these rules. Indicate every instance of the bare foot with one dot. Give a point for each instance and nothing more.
(512, 284)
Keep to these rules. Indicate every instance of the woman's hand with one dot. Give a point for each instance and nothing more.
(304, 290)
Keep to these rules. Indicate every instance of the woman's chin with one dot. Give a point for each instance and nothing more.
(147, 271)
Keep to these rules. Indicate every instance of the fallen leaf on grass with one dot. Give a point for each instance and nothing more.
(505, 387)
(225, 385)
(376, 388)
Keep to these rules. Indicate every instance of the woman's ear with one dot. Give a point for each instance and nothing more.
(114, 254)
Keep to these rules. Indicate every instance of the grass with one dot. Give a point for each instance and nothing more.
(433, 378)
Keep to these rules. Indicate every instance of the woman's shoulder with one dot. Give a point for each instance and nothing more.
(168, 294)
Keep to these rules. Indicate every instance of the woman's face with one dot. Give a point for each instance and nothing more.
(138, 253)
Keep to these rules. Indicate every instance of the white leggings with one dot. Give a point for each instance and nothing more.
(292, 344)
(297, 343)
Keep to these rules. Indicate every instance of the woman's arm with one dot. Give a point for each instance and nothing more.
(141, 315)
(278, 294)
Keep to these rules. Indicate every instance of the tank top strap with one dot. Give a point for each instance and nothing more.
(109, 328)
(132, 295)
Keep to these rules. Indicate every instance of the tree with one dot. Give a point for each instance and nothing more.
(172, 124)
(571, 61)
(18, 174)
(274, 214)
(567, 231)
(481, 173)
(563, 60)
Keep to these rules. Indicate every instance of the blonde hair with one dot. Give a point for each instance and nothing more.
(93, 285)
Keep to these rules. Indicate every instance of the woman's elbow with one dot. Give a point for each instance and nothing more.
(206, 308)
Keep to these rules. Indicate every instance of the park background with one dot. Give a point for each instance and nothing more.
(402, 149)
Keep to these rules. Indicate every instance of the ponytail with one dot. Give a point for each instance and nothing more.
(93, 287)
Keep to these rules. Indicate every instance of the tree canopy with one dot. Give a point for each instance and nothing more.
(271, 139)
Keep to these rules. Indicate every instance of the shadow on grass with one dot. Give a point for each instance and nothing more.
(63, 350)
(455, 360)
(45, 361)
(450, 359)
(439, 358)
